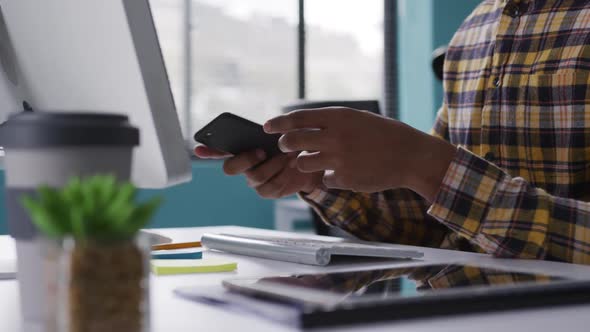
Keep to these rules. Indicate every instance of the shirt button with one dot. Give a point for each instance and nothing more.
(497, 82)
(490, 156)
(515, 10)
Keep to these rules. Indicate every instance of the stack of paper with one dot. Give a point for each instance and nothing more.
(187, 257)
(189, 253)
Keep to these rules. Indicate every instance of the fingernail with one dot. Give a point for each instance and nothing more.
(260, 154)
(197, 150)
(267, 127)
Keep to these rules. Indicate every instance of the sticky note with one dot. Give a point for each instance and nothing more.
(184, 266)
(178, 254)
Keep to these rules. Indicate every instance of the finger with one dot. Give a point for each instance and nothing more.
(303, 140)
(267, 170)
(273, 188)
(301, 119)
(332, 180)
(205, 152)
(243, 162)
(313, 162)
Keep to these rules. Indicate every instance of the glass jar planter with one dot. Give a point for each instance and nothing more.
(103, 286)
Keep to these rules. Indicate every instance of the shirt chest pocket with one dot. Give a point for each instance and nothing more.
(554, 116)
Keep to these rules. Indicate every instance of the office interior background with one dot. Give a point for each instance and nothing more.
(253, 57)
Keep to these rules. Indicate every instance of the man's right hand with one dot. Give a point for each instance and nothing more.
(271, 178)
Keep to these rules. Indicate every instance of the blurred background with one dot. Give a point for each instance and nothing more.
(244, 54)
(252, 57)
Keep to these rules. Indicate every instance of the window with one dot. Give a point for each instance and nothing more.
(244, 57)
(344, 49)
(243, 54)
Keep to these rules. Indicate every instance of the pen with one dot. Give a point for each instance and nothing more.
(180, 245)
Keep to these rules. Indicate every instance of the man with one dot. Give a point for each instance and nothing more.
(507, 169)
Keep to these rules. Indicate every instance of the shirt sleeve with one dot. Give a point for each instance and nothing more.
(508, 217)
(396, 216)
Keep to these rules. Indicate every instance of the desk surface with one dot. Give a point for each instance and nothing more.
(170, 313)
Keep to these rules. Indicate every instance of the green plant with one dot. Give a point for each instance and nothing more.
(97, 208)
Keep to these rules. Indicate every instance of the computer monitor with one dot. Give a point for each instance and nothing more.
(99, 56)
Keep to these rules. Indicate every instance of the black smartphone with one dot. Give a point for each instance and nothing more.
(233, 134)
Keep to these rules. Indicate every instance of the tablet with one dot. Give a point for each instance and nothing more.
(410, 292)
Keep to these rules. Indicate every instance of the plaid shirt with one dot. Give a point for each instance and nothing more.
(517, 104)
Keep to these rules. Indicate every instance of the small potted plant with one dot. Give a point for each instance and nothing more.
(103, 264)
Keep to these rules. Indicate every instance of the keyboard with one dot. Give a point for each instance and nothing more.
(300, 250)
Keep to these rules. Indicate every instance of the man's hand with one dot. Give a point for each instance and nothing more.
(362, 151)
(273, 178)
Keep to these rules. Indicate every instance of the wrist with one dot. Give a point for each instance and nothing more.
(429, 165)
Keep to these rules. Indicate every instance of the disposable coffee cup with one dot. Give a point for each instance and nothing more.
(49, 148)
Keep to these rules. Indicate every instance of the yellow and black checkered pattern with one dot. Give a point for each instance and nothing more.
(517, 104)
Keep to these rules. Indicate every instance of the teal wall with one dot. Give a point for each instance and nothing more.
(424, 25)
(210, 199)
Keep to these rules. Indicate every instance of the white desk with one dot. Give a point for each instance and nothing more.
(170, 313)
